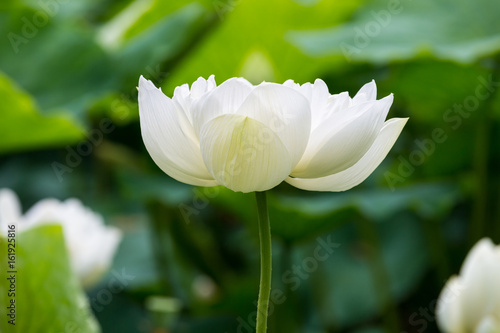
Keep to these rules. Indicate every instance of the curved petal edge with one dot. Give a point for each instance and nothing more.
(169, 137)
(357, 173)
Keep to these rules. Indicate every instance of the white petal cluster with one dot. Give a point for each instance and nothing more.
(470, 302)
(90, 243)
(251, 138)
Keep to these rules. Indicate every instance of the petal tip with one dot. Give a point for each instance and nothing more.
(145, 84)
(388, 99)
(319, 81)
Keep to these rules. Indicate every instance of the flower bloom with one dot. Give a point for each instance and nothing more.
(251, 138)
(91, 245)
(470, 302)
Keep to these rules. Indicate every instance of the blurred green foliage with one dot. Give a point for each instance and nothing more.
(461, 31)
(24, 128)
(67, 65)
(50, 296)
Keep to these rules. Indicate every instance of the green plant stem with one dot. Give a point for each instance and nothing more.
(160, 219)
(480, 213)
(380, 274)
(479, 217)
(437, 248)
(496, 235)
(265, 262)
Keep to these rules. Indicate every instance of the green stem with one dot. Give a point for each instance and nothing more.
(380, 274)
(265, 262)
(496, 235)
(437, 248)
(481, 214)
(481, 168)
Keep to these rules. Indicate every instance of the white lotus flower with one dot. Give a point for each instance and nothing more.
(91, 244)
(251, 138)
(470, 302)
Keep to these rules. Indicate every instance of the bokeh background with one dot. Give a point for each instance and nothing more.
(68, 68)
